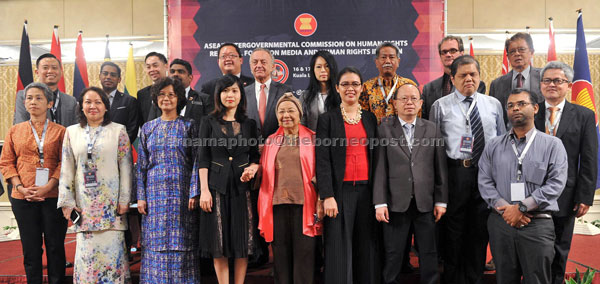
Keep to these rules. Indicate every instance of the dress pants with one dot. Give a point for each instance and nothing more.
(351, 254)
(41, 222)
(395, 234)
(465, 235)
(293, 252)
(526, 251)
(563, 229)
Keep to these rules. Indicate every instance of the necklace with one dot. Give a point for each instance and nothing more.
(354, 120)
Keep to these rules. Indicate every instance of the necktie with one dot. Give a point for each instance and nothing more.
(262, 104)
(476, 131)
(520, 80)
(552, 119)
(408, 133)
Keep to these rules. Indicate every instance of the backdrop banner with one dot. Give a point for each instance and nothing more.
(295, 30)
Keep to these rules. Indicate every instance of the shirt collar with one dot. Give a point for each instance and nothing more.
(560, 106)
(527, 135)
(525, 73)
(267, 83)
(460, 97)
(113, 93)
(390, 83)
(187, 91)
(402, 122)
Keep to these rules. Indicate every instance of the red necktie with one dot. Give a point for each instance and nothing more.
(520, 80)
(262, 104)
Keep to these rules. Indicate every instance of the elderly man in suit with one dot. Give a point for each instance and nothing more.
(575, 126)
(49, 71)
(519, 49)
(449, 48)
(264, 93)
(414, 191)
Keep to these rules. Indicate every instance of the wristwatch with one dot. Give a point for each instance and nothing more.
(17, 186)
(522, 207)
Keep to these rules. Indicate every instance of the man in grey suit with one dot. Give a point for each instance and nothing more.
(449, 48)
(263, 94)
(519, 49)
(414, 190)
(49, 71)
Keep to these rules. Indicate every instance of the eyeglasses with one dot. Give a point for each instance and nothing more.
(405, 100)
(556, 81)
(521, 50)
(228, 56)
(347, 85)
(450, 51)
(169, 95)
(517, 104)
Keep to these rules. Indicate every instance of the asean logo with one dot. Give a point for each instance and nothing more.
(305, 24)
(281, 72)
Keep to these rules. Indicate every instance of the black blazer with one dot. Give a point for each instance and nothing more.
(500, 88)
(331, 160)
(195, 108)
(209, 88)
(270, 125)
(223, 161)
(125, 110)
(144, 99)
(400, 172)
(433, 91)
(577, 131)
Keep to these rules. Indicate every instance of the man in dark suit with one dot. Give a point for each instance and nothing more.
(263, 94)
(123, 108)
(230, 62)
(156, 68)
(402, 199)
(197, 103)
(575, 126)
(449, 49)
(519, 49)
(49, 71)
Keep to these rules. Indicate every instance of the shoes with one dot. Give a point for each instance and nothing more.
(490, 266)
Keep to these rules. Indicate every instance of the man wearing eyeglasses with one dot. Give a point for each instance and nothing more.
(449, 49)
(378, 92)
(519, 49)
(230, 61)
(575, 126)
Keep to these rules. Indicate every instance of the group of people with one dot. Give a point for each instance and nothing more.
(342, 173)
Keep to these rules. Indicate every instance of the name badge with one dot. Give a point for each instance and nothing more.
(517, 191)
(466, 144)
(41, 176)
(90, 178)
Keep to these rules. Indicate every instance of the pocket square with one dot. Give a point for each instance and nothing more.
(121, 107)
(197, 103)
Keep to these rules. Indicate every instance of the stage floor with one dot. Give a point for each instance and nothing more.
(585, 251)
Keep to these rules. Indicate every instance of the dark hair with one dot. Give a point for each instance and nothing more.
(398, 90)
(333, 98)
(223, 83)
(160, 56)
(524, 36)
(103, 97)
(47, 55)
(185, 64)
(517, 91)
(349, 69)
(387, 44)
(237, 49)
(463, 60)
(110, 63)
(458, 39)
(177, 88)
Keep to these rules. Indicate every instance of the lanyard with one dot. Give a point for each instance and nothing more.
(389, 95)
(40, 143)
(468, 112)
(55, 108)
(90, 142)
(522, 156)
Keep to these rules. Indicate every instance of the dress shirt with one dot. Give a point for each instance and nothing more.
(561, 107)
(187, 96)
(446, 113)
(257, 92)
(526, 81)
(544, 171)
(321, 97)
(111, 96)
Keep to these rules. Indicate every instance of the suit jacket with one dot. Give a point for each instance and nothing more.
(270, 125)
(310, 111)
(67, 106)
(145, 103)
(501, 87)
(209, 88)
(399, 172)
(433, 91)
(331, 159)
(196, 107)
(577, 131)
(125, 110)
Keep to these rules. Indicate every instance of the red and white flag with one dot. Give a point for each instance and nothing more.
(55, 50)
(505, 59)
(552, 44)
(471, 47)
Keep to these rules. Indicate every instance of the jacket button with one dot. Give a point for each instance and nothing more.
(230, 158)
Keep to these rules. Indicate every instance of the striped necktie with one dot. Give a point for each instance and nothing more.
(476, 131)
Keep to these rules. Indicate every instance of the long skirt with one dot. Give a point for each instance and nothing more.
(101, 257)
(170, 267)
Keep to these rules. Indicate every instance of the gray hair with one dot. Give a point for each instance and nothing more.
(265, 50)
(387, 44)
(41, 86)
(558, 65)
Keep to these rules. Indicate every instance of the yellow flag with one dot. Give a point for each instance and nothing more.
(130, 80)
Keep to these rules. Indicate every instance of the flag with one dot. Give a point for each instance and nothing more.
(106, 51)
(505, 59)
(80, 76)
(552, 44)
(471, 47)
(55, 50)
(25, 76)
(582, 90)
(130, 80)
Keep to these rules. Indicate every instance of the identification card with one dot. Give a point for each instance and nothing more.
(517, 191)
(466, 144)
(90, 178)
(41, 176)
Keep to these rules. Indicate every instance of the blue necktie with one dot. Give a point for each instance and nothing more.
(476, 131)
(408, 132)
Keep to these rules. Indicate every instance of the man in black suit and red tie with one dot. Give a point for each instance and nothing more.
(575, 126)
